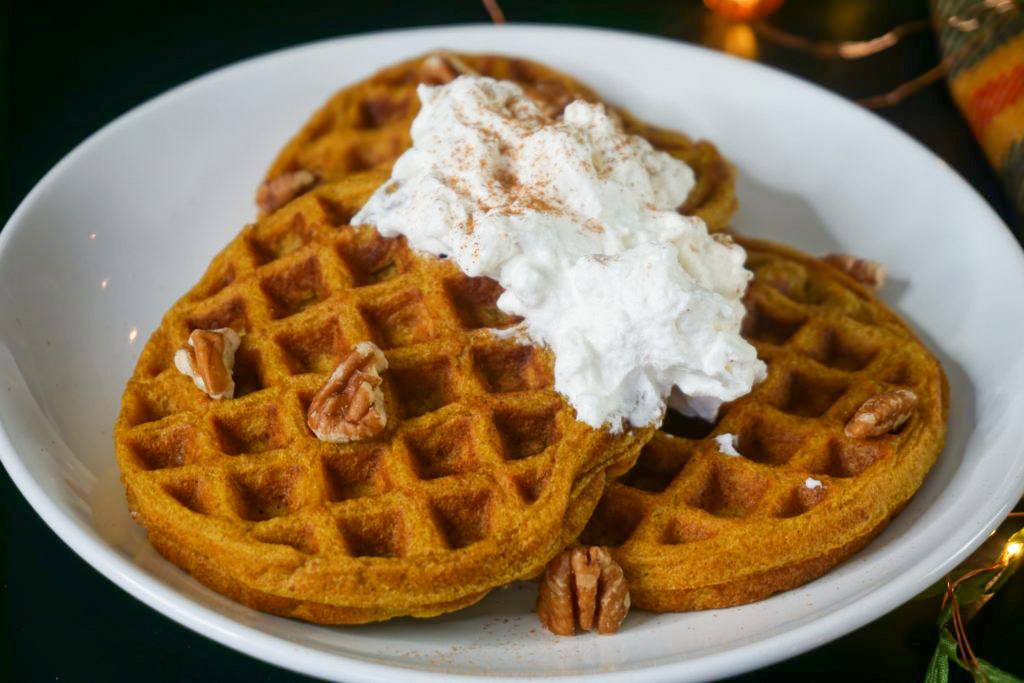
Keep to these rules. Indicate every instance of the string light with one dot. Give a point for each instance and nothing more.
(494, 11)
(995, 576)
(740, 40)
(737, 38)
(743, 10)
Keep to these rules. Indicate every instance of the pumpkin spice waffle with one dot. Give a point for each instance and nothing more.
(366, 126)
(480, 476)
(696, 528)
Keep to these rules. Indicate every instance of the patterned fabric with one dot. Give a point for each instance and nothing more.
(983, 42)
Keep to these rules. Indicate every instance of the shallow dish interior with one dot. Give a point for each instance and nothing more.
(129, 220)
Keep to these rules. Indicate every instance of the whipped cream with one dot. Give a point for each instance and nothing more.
(184, 361)
(812, 483)
(727, 444)
(577, 221)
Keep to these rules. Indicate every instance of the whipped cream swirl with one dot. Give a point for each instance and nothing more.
(577, 221)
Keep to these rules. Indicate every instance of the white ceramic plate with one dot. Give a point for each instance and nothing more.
(128, 221)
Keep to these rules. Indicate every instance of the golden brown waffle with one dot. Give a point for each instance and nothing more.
(480, 477)
(366, 125)
(694, 528)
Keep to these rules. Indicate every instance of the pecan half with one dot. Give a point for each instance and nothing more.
(550, 95)
(871, 274)
(584, 587)
(275, 192)
(443, 67)
(350, 406)
(434, 71)
(881, 414)
(208, 357)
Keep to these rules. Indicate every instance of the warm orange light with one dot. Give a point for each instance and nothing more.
(740, 40)
(1012, 550)
(735, 37)
(743, 10)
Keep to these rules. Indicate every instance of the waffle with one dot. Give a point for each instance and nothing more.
(694, 528)
(366, 126)
(481, 475)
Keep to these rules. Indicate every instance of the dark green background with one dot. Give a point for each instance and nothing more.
(68, 72)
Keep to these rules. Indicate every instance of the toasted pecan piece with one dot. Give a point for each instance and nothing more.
(869, 273)
(208, 357)
(275, 192)
(881, 414)
(583, 587)
(350, 405)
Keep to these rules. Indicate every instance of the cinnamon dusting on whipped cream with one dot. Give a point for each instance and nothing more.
(577, 221)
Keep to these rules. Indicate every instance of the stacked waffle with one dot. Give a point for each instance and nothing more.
(481, 473)
(695, 526)
(366, 126)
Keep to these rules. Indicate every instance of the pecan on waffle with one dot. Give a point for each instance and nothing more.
(366, 126)
(696, 528)
(480, 475)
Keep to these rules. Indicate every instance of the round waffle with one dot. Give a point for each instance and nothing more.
(366, 126)
(695, 528)
(481, 475)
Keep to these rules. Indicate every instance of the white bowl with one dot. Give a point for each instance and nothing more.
(128, 221)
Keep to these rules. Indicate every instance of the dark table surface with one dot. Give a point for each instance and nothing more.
(70, 72)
